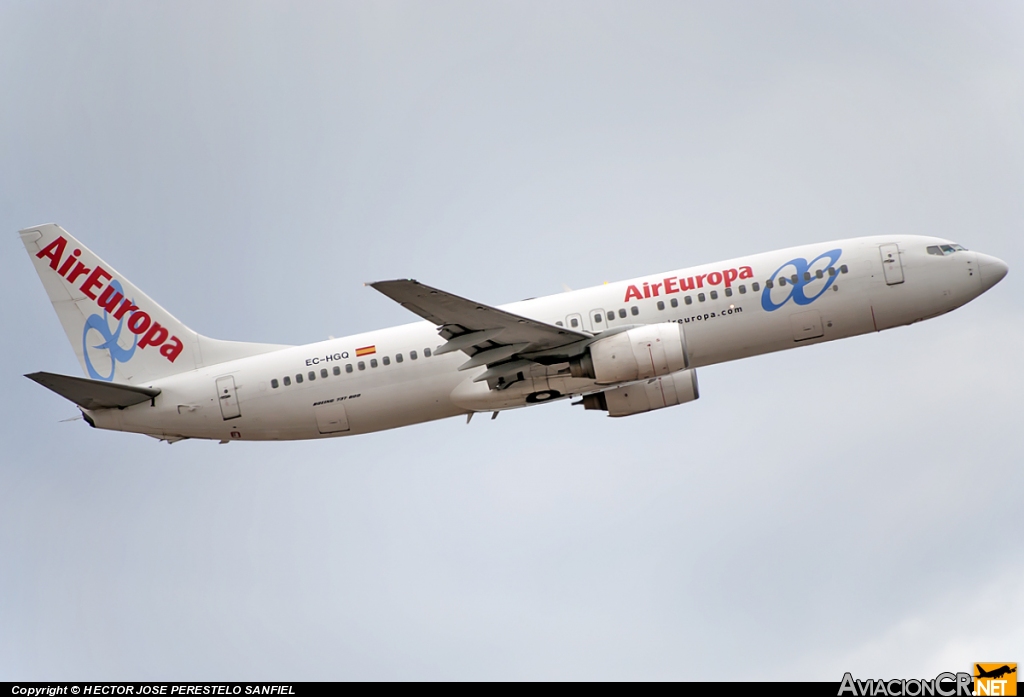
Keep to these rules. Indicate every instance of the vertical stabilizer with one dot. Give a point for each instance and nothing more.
(118, 332)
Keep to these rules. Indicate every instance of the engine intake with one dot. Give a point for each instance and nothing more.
(656, 393)
(637, 354)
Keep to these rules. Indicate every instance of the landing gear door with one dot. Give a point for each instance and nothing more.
(228, 398)
(597, 320)
(891, 264)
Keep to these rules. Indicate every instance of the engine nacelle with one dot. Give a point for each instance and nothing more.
(656, 393)
(637, 354)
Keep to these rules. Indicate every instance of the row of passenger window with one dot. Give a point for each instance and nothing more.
(349, 368)
(701, 297)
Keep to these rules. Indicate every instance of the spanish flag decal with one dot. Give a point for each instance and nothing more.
(366, 351)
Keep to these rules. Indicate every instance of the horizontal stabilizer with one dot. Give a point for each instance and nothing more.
(94, 394)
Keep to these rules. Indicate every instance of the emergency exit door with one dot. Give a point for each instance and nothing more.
(228, 398)
(892, 267)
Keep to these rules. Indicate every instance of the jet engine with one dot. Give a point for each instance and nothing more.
(636, 354)
(656, 393)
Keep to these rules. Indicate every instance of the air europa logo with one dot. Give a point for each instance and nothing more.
(674, 284)
(114, 304)
(805, 275)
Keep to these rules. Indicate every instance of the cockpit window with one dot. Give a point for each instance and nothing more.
(944, 250)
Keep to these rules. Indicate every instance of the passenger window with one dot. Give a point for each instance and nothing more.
(700, 296)
(843, 268)
(337, 370)
(574, 322)
(287, 381)
(634, 310)
(675, 302)
(559, 323)
(373, 362)
(348, 367)
(398, 358)
(661, 305)
(298, 378)
(688, 300)
(782, 281)
(362, 365)
(312, 375)
(831, 271)
(743, 290)
(323, 372)
(611, 315)
(386, 360)
(755, 286)
(274, 383)
(426, 353)
(794, 279)
(412, 355)
(728, 292)
(622, 313)
(819, 273)
(714, 295)
(597, 317)
(807, 275)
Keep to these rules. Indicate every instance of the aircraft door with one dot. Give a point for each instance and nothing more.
(228, 398)
(597, 319)
(331, 417)
(574, 322)
(806, 325)
(892, 267)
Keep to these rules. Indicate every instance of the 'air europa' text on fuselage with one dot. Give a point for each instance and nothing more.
(675, 284)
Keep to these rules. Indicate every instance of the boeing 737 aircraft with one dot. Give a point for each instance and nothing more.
(624, 348)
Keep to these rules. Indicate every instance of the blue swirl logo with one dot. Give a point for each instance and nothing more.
(101, 325)
(797, 291)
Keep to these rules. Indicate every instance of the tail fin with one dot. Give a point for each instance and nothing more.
(118, 333)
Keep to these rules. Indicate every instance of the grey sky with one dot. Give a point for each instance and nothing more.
(842, 507)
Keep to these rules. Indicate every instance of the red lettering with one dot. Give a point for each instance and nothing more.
(80, 270)
(633, 292)
(54, 250)
(654, 288)
(138, 322)
(700, 280)
(171, 349)
(670, 285)
(746, 272)
(126, 306)
(647, 290)
(94, 281)
(686, 284)
(69, 262)
(109, 299)
(730, 276)
(154, 337)
(714, 278)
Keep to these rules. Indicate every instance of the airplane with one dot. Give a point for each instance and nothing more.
(995, 673)
(623, 348)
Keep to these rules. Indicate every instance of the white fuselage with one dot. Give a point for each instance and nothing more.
(720, 322)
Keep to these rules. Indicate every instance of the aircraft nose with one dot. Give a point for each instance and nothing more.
(992, 270)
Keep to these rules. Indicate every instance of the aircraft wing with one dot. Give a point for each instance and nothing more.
(490, 336)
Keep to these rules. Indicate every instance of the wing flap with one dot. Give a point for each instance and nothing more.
(94, 394)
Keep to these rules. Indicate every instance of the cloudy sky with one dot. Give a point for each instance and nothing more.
(842, 507)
